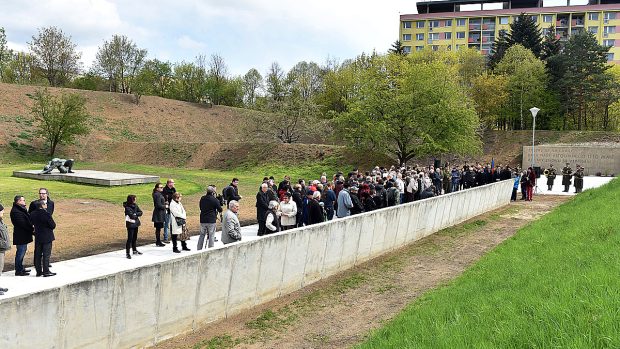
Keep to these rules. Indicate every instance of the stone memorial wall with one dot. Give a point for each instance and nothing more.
(604, 159)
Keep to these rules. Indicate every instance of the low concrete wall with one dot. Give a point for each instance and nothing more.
(146, 305)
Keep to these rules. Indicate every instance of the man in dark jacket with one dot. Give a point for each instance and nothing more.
(329, 199)
(22, 233)
(428, 193)
(209, 209)
(231, 192)
(315, 211)
(357, 203)
(262, 207)
(168, 192)
(298, 198)
(43, 195)
(44, 226)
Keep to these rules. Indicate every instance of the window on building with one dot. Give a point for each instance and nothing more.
(419, 36)
(433, 24)
(433, 36)
(609, 15)
(548, 18)
(545, 31)
(406, 37)
(593, 30)
(460, 35)
(609, 30)
(534, 18)
(407, 49)
(608, 43)
(448, 23)
(460, 22)
(610, 57)
(406, 24)
(419, 48)
(593, 16)
(448, 36)
(419, 24)
(435, 47)
(503, 20)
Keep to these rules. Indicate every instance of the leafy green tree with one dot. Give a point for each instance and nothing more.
(397, 48)
(5, 54)
(120, 60)
(407, 108)
(490, 94)
(551, 45)
(157, 75)
(524, 31)
(21, 69)
(252, 83)
(90, 81)
(59, 119)
(189, 82)
(527, 81)
(55, 55)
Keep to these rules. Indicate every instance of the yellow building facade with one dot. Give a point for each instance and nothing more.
(478, 29)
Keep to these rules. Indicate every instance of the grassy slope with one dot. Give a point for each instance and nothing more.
(553, 285)
(188, 181)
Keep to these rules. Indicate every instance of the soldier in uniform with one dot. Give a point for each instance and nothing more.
(567, 173)
(578, 179)
(551, 174)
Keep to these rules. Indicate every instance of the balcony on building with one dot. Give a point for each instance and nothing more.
(578, 20)
(475, 24)
(562, 21)
(561, 34)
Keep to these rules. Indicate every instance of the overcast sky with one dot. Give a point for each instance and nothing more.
(248, 34)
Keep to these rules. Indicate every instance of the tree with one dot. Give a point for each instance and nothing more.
(252, 82)
(5, 54)
(189, 81)
(21, 69)
(490, 94)
(397, 48)
(527, 81)
(581, 75)
(498, 49)
(59, 119)
(157, 77)
(524, 31)
(305, 79)
(274, 82)
(217, 79)
(119, 60)
(408, 108)
(55, 55)
(551, 45)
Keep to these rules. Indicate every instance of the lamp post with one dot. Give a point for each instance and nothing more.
(534, 111)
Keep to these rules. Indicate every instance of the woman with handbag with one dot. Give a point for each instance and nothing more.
(132, 222)
(179, 217)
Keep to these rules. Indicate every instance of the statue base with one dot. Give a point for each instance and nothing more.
(106, 179)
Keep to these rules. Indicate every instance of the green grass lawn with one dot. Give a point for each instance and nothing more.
(555, 284)
(187, 181)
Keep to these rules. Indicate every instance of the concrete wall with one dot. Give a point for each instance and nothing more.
(146, 305)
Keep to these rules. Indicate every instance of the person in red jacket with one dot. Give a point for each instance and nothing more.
(531, 183)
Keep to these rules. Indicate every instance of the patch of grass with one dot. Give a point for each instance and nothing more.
(553, 285)
(462, 229)
(219, 342)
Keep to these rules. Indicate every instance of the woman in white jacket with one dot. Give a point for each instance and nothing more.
(288, 208)
(177, 211)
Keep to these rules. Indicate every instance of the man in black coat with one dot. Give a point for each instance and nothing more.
(168, 192)
(44, 226)
(262, 207)
(43, 195)
(22, 233)
(231, 192)
(315, 211)
(209, 208)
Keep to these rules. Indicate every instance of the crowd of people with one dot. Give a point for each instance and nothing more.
(279, 207)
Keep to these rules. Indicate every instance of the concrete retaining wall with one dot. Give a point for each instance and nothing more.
(146, 305)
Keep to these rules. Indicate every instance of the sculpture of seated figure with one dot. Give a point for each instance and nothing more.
(64, 166)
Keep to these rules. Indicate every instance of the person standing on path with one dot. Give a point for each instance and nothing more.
(22, 233)
(168, 192)
(231, 229)
(262, 207)
(5, 244)
(44, 226)
(567, 173)
(132, 222)
(209, 209)
(159, 212)
(43, 195)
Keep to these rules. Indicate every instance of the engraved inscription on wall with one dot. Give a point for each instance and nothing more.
(605, 160)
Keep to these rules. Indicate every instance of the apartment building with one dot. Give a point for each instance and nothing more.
(456, 24)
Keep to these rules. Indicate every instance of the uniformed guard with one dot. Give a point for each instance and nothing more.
(551, 174)
(578, 179)
(567, 173)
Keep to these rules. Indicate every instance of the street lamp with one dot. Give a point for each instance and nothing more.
(534, 111)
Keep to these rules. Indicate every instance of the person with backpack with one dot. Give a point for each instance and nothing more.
(392, 195)
(231, 192)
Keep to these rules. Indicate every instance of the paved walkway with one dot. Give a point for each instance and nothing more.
(90, 267)
(79, 269)
(588, 183)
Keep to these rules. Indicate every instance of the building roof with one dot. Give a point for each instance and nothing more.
(514, 11)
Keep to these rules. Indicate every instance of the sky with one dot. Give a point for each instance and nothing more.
(247, 34)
